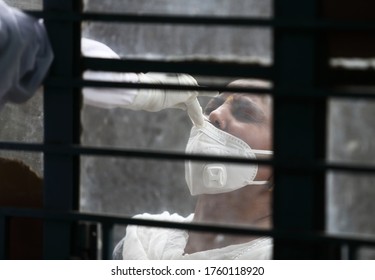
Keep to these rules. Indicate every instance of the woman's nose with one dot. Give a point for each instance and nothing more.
(220, 117)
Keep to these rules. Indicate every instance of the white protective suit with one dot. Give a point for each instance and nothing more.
(25, 55)
(148, 243)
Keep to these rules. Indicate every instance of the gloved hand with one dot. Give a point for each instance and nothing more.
(155, 99)
(143, 99)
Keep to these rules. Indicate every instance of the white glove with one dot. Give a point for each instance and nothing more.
(143, 99)
(156, 99)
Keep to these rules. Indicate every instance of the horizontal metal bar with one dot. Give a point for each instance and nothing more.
(153, 19)
(194, 67)
(350, 77)
(118, 152)
(295, 24)
(289, 166)
(4, 229)
(295, 94)
(64, 83)
(74, 216)
(319, 93)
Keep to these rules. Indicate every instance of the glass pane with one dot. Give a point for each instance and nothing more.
(156, 41)
(194, 7)
(23, 123)
(26, 4)
(350, 195)
(351, 129)
(129, 186)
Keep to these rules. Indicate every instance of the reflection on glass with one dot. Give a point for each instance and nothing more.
(350, 195)
(26, 4)
(129, 186)
(23, 123)
(178, 7)
(184, 42)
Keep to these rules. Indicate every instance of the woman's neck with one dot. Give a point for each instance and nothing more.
(248, 206)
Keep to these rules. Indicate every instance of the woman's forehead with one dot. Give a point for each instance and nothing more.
(255, 98)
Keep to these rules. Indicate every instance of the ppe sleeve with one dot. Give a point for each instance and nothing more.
(25, 54)
(152, 100)
(106, 97)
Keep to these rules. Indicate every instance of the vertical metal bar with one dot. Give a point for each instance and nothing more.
(299, 133)
(349, 251)
(107, 249)
(61, 127)
(352, 252)
(3, 237)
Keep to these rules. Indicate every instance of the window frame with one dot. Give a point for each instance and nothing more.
(299, 173)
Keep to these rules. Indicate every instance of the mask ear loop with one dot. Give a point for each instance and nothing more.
(206, 118)
(269, 182)
(271, 185)
(263, 152)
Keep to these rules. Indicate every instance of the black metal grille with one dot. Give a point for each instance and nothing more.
(299, 111)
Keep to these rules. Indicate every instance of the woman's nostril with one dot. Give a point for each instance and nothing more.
(214, 119)
(217, 124)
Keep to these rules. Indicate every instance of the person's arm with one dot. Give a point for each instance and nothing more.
(143, 99)
(25, 55)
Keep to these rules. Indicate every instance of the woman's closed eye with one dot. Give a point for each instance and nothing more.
(242, 108)
(246, 111)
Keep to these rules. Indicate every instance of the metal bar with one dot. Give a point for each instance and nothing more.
(285, 23)
(207, 88)
(229, 69)
(286, 166)
(107, 241)
(351, 77)
(61, 127)
(155, 19)
(3, 237)
(299, 135)
(352, 251)
(130, 153)
(301, 95)
(350, 239)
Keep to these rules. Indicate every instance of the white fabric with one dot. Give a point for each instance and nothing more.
(149, 243)
(155, 99)
(106, 97)
(143, 99)
(25, 54)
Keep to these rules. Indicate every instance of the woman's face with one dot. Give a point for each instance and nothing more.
(246, 116)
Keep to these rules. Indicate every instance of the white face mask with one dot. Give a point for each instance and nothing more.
(210, 177)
